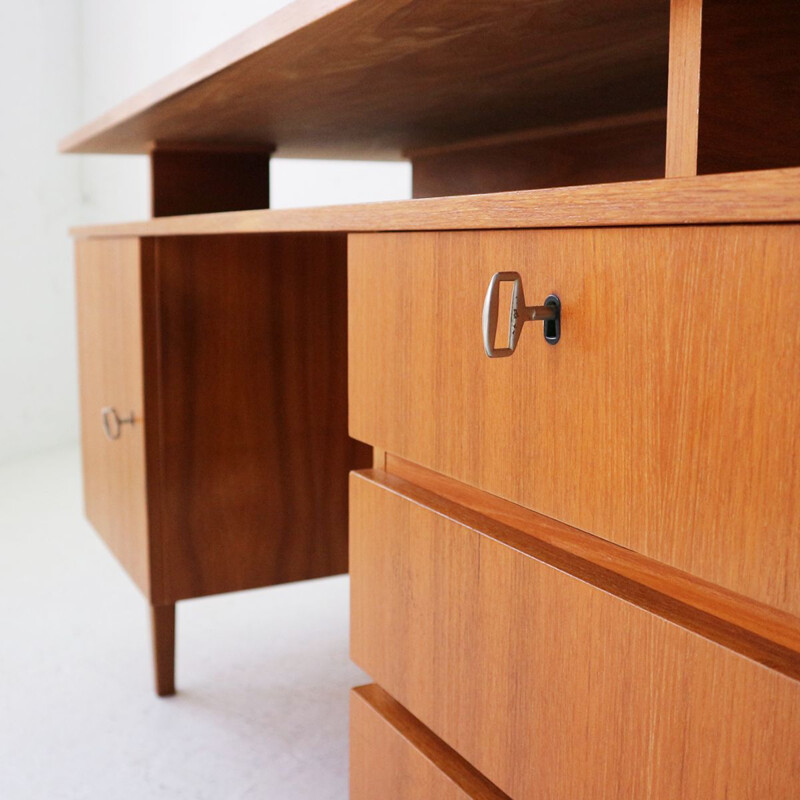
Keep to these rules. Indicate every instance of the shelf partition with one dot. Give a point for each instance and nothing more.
(734, 83)
(200, 178)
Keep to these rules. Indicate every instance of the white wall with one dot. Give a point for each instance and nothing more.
(63, 62)
(39, 200)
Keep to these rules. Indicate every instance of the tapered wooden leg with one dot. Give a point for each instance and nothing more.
(163, 624)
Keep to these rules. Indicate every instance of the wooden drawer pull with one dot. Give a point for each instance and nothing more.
(112, 423)
(519, 314)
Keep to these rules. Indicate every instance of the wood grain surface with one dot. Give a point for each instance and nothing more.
(254, 451)
(683, 96)
(664, 421)
(626, 148)
(374, 78)
(162, 626)
(392, 755)
(549, 686)
(186, 179)
(771, 195)
(109, 302)
(755, 630)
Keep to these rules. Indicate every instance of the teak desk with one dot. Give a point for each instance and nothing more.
(574, 548)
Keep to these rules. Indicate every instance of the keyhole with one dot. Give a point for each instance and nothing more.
(552, 327)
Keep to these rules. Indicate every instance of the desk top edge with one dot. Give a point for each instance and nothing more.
(741, 197)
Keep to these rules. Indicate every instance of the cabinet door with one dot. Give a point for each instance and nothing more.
(108, 277)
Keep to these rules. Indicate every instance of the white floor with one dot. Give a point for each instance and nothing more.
(263, 676)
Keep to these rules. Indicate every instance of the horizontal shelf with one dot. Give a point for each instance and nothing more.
(382, 78)
(764, 196)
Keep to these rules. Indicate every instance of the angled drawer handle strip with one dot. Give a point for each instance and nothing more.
(112, 422)
(519, 314)
(745, 626)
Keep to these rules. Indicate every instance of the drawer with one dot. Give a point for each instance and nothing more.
(392, 755)
(665, 419)
(546, 684)
(108, 286)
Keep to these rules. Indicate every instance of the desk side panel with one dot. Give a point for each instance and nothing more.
(253, 411)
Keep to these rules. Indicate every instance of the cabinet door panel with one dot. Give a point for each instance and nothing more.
(111, 377)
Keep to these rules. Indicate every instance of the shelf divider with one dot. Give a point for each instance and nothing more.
(203, 178)
(683, 92)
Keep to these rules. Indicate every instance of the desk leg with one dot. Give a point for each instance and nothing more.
(163, 625)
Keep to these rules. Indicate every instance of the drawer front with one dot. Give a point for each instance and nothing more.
(664, 420)
(547, 685)
(392, 755)
(111, 376)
